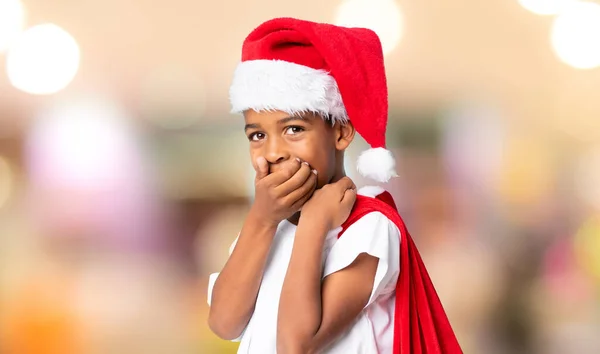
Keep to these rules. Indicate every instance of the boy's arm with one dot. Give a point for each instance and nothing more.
(234, 293)
(278, 196)
(310, 315)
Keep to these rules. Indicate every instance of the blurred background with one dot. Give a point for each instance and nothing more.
(124, 179)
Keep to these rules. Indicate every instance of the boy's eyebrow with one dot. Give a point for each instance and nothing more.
(280, 121)
(291, 119)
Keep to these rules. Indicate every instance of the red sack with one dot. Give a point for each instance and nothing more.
(420, 322)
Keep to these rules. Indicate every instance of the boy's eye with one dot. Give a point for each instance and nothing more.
(293, 130)
(256, 136)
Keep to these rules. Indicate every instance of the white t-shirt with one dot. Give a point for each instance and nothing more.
(373, 330)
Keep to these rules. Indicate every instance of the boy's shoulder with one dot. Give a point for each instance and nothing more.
(374, 209)
(371, 228)
(374, 199)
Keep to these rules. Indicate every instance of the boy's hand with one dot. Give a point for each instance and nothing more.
(282, 193)
(331, 204)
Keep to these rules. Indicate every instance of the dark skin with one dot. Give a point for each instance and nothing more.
(299, 166)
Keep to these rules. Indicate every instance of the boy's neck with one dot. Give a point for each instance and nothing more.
(294, 219)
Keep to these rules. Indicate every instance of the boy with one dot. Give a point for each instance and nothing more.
(293, 282)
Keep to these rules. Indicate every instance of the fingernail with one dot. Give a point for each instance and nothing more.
(315, 172)
(297, 159)
(306, 163)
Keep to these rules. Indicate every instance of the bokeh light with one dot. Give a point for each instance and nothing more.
(382, 16)
(587, 246)
(525, 171)
(40, 317)
(576, 33)
(43, 60)
(562, 274)
(81, 144)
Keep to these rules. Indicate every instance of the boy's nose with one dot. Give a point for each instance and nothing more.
(276, 153)
(275, 162)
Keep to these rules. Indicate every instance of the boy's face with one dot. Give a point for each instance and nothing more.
(279, 137)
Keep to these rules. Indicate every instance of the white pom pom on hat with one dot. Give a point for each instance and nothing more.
(377, 164)
(300, 66)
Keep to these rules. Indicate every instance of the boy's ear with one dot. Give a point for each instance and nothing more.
(344, 135)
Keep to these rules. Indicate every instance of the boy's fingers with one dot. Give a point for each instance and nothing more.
(261, 167)
(345, 184)
(304, 192)
(296, 181)
(300, 203)
(349, 195)
(349, 198)
(285, 172)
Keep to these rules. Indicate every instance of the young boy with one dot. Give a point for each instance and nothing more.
(315, 267)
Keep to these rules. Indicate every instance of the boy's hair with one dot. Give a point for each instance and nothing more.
(329, 119)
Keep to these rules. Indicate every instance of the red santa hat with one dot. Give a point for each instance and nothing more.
(300, 66)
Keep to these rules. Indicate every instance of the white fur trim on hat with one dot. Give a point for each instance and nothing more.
(377, 164)
(370, 191)
(267, 85)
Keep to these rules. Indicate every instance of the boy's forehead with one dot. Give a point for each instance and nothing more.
(264, 115)
(272, 117)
